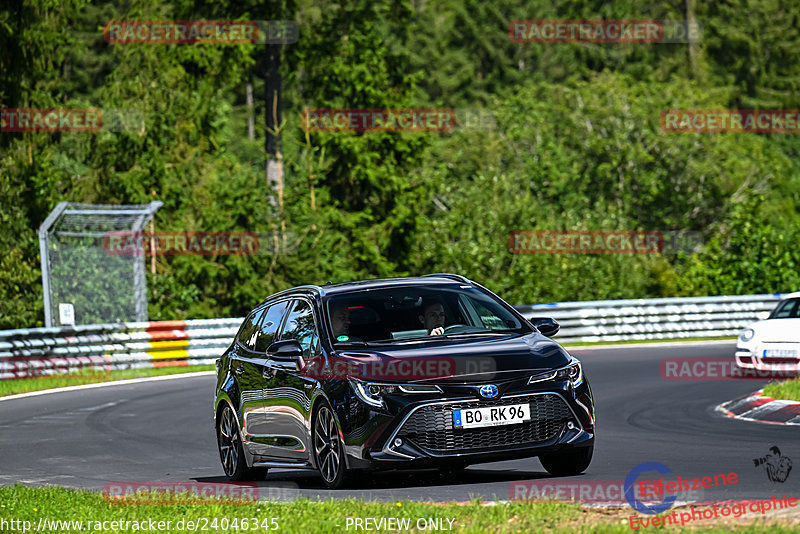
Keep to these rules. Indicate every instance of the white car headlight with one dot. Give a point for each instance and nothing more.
(573, 372)
(372, 393)
(747, 334)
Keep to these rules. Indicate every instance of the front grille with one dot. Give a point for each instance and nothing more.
(788, 360)
(431, 427)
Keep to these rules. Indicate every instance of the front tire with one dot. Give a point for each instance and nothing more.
(567, 463)
(328, 449)
(231, 452)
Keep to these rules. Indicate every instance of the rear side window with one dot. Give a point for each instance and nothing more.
(247, 335)
(300, 326)
(269, 326)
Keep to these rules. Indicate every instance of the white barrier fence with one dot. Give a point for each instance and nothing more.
(43, 351)
(643, 319)
(32, 352)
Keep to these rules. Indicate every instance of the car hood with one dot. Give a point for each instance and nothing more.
(776, 331)
(454, 360)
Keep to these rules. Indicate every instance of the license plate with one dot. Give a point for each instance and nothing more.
(491, 416)
(779, 353)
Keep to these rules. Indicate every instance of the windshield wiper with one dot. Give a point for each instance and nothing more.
(354, 343)
(486, 333)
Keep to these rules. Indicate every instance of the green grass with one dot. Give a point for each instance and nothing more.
(304, 516)
(24, 385)
(630, 342)
(786, 390)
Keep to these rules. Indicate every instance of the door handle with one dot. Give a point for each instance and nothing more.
(239, 371)
(267, 373)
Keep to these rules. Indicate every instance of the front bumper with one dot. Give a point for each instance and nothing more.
(426, 436)
(781, 358)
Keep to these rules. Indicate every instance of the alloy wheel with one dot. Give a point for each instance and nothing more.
(327, 445)
(228, 439)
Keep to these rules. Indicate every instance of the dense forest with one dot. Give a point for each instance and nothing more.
(574, 143)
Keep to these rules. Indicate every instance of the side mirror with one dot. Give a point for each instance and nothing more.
(288, 351)
(546, 325)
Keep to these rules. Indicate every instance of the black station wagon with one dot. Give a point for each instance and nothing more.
(429, 372)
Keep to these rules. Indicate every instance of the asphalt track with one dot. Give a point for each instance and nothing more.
(162, 431)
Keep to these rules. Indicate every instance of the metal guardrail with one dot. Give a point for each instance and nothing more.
(663, 318)
(43, 351)
(32, 352)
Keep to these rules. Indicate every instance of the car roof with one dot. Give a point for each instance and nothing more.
(382, 283)
(794, 295)
(378, 283)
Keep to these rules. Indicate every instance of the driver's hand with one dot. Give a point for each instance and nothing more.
(438, 331)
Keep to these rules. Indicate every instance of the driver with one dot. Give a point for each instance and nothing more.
(340, 321)
(433, 317)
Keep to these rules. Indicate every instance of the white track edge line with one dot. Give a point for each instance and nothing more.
(105, 384)
(642, 345)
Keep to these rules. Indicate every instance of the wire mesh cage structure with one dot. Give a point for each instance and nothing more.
(84, 282)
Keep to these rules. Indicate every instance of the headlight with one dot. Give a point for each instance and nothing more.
(372, 393)
(747, 334)
(572, 372)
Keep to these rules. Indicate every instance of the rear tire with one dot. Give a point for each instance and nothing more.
(567, 463)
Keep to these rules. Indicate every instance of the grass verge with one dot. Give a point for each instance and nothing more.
(24, 385)
(786, 390)
(50, 504)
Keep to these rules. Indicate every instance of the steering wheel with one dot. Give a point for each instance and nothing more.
(455, 328)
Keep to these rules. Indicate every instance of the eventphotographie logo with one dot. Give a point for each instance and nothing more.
(776, 465)
(666, 490)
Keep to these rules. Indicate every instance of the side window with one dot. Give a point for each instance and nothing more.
(788, 310)
(300, 326)
(269, 327)
(489, 319)
(247, 335)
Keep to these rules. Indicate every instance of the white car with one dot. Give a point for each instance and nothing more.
(774, 343)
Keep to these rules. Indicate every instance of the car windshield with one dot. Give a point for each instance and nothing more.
(414, 312)
(788, 309)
